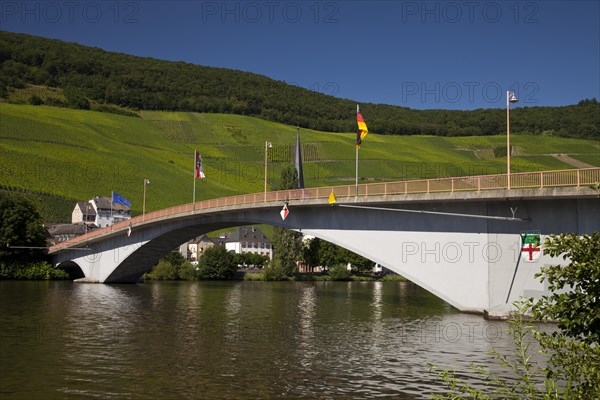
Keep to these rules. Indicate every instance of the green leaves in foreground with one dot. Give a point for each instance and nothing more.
(561, 369)
(575, 298)
(567, 364)
(530, 384)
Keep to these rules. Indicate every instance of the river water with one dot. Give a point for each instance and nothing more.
(233, 340)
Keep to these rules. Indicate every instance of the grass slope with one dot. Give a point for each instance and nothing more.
(59, 155)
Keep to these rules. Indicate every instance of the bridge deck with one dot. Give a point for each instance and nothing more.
(440, 186)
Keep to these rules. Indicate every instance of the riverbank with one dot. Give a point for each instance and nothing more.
(42, 271)
(310, 277)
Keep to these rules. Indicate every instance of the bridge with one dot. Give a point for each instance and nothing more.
(459, 238)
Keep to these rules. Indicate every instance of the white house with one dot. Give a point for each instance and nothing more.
(83, 212)
(247, 239)
(100, 211)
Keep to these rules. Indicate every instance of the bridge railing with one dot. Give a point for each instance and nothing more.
(523, 180)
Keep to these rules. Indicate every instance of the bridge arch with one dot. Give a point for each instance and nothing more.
(144, 256)
(147, 255)
(72, 268)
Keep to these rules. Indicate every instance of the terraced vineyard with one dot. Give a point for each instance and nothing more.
(59, 155)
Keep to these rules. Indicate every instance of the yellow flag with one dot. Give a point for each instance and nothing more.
(332, 199)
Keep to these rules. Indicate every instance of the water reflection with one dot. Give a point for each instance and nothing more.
(100, 328)
(234, 340)
(306, 335)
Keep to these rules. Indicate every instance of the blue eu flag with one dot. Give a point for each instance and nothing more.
(118, 199)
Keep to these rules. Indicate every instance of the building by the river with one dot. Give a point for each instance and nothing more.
(246, 239)
(100, 211)
(193, 249)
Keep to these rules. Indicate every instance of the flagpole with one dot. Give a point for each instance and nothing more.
(144, 202)
(112, 196)
(356, 181)
(195, 166)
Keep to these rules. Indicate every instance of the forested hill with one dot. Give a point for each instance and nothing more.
(86, 74)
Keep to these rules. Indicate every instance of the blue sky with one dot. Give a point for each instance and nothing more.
(417, 54)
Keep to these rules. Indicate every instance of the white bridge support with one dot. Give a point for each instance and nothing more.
(462, 247)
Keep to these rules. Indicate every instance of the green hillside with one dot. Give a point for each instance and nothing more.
(40, 70)
(58, 155)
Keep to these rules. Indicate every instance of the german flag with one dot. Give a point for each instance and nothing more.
(362, 130)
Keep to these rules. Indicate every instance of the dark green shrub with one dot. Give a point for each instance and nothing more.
(35, 100)
(216, 263)
(186, 272)
(339, 272)
(164, 271)
(38, 270)
(275, 272)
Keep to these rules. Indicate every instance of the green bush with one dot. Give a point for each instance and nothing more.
(393, 278)
(172, 267)
(217, 263)
(254, 276)
(164, 271)
(38, 270)
(571, 356)
(35, 100)
(288, 248)
(575, 290)
(54, 102)
(20, 225)
(174, 258)
(570, 371)
(362, 278)
(275, 272)
(186, 272)
(339, 272)
(76, 98)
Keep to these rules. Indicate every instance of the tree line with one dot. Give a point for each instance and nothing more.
(91, 74)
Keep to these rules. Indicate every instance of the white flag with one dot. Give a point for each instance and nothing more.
(284, 212)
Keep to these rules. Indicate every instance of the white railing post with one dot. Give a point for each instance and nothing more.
(578, 178)
(541, 180)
